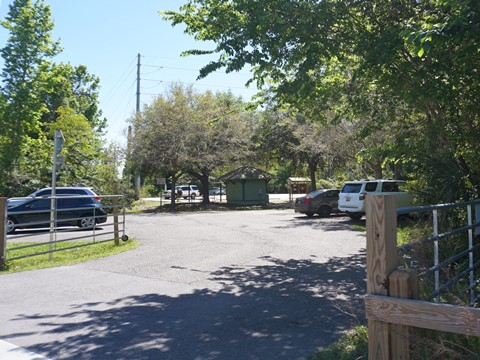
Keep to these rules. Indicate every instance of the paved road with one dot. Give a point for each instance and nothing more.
(264, 284)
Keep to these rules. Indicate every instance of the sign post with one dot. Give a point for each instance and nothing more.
(58, 142)
(162, 181)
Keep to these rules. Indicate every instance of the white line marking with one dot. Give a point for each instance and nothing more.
(12, 352)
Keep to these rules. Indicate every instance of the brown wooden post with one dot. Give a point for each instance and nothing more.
(381, 221)
(402, 284)
(3, 240)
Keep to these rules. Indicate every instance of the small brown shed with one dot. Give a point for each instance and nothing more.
(297, 185)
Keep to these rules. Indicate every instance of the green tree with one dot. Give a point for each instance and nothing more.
(26, 57)
(161, 131)
(107, 178)
(37, 97)
(80, 151)
(416, 59)
(220, 136)
(73, 87)
(185, 132)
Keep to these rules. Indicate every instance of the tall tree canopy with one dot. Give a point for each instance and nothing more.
(36, 96)
(26, 56)
(408, 67)
(186, 132)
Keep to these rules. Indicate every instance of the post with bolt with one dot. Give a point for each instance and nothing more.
(381, 224)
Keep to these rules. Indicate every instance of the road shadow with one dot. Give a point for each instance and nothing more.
(334, 222)
(279, 310)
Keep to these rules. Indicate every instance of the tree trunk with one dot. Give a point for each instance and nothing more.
(378, 169)
(205, 182)
(312, 167)
(173, 193)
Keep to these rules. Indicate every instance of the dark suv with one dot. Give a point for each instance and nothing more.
(71, 210)
(61, 190)
(65, 190)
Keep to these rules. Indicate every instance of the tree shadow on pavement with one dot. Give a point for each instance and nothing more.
(277, 310)
(336, 222)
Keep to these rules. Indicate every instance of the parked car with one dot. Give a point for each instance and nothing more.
(185, 191)
(34, 212)
(217, 191)
(322, 202)
(353, 194)
(62, 190)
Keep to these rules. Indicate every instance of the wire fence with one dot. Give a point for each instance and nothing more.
(38, 226)
(448, 259)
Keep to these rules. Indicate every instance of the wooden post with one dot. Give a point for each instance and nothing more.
(402, 284)
(381, 221)
(3, 240)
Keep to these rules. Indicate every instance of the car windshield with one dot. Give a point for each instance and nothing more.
(16, 202)
(351, 188)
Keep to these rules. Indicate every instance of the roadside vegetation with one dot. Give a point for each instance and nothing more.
(352, 345)
(379, 89)
(76, 255)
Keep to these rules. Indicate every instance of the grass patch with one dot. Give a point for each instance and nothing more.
(359, 227)
(60, 258)
(409, 231)
(140, 206)
(353, 345)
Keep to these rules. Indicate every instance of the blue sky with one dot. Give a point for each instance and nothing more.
(107, 35)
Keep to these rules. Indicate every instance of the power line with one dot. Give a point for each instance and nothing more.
(127, 99)
(193, 84)
(120, 81)
(159, 67)
(130, 94)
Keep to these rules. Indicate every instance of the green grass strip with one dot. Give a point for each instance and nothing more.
(78, 253)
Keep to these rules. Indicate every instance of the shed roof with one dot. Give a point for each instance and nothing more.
(298, 180)
(246, 173)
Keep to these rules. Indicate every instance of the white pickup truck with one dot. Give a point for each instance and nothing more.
(351, 199)
(185, 191)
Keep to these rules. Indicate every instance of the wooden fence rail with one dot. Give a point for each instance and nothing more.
(392, 306)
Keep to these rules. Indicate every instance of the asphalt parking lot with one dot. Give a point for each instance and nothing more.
(262, 284)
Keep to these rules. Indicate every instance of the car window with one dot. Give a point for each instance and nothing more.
(371, 186)
(390, 187)
(73, 202)
(332, 193)
(69, 192)
(351, 188)
(315, 193)
(43, 193)
(39, 204)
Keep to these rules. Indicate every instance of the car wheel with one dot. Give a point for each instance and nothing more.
(192, 196)
(86, 223)
(324, 211)
(355, 216)
(10, 225)
(310, 214)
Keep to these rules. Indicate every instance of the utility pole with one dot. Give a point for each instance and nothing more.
(138, 84)
(137, 173)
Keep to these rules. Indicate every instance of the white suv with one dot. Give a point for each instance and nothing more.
(185, 191)
(352, 196)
